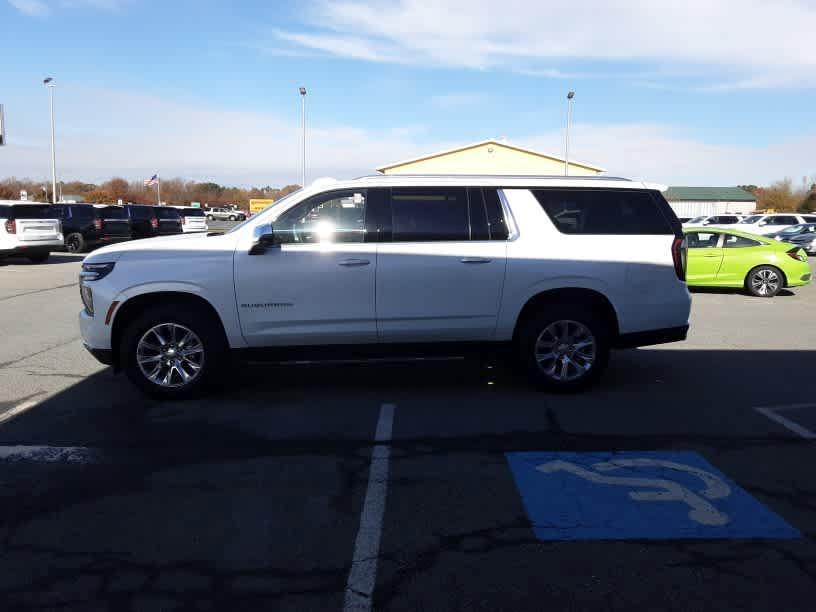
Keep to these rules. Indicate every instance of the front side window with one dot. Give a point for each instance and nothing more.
(703, 240)
(738, 242)
(783, 220)
(603, 211)
(338, 216)
(727, 220)
(429, 214)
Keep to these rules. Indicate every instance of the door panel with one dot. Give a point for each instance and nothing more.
(446, 291)
(317, 285)
(704, 257)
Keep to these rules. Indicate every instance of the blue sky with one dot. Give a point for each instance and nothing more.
(700, 92)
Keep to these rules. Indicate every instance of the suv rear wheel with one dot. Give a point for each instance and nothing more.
(74, 243)
(171, 353)
(565, 348)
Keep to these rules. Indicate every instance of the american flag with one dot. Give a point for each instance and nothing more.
(151, 181)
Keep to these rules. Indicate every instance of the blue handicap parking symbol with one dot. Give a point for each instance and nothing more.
(637, 495)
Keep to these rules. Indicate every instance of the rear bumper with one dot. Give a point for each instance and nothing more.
(653, 336)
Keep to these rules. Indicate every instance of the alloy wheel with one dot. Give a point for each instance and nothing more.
(765, 282)
(566, 350)
(170, 355)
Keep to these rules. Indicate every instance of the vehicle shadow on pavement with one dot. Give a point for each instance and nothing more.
(54, 259)
(742, 292)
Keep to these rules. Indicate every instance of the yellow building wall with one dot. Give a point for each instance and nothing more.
(480, 160)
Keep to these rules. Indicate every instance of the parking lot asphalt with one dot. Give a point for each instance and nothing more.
(389, 486)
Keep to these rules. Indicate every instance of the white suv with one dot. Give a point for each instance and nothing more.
(770, 224)
(560, 270)
(29, 230)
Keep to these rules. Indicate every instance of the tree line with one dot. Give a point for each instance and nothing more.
(780, 195)
(175, 192)
(784, 195)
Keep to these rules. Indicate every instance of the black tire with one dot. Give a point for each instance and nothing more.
(38, 258)
(542, 324)
(765, 281)
(75, 243)
(209, 332)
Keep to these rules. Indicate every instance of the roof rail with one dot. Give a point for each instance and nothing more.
(492, 176)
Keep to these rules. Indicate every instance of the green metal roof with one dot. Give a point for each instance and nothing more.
(709, 194)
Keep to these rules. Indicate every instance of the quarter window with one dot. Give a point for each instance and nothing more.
(600, 212)
(338, 216)
(736, 242)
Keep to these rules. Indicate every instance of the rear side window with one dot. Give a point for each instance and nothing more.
(5, 211)
(191, 212)
(29, 211)
(167, 213)
(141, 212)
(809, 218)
(83, 213)
(782, 220)
(429, 214)
(603, 211)
(739, 242)
(724, 219)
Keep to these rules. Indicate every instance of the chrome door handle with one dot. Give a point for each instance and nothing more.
(353, 262)
(474, 260)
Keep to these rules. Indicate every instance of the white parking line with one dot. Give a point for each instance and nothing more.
(772, 412)
(363, 575)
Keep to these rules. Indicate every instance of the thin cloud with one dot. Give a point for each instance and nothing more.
(31, 8)
(736, 44)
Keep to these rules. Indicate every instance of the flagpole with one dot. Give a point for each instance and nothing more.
(158, 188)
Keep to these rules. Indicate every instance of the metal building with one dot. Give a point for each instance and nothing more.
(696, 201)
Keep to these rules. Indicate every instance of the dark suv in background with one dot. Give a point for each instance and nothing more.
(150, 221)
(86, 227)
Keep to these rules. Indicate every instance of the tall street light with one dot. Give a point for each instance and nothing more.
(303, 144)
(570, 96)
(49, 83)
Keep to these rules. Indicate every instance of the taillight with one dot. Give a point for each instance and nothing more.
(154, 223)
(98, 224)
(679, 256)
(797, 254)
(11, 226)
(184, 220)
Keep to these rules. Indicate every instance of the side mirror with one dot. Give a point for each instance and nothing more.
(263, 238)
(762, 223)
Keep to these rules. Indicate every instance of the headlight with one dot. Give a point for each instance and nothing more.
(95, 271)
(91, 272)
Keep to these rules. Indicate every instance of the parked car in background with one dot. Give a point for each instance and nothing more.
(225, 214)
(771, 224)
(151, 221)
(726, 258)
(794, 230)
(85, 226)
(555, 271)
(715, 220)
(806, 240)
(29, 230)
(192, 219)
(684, 219)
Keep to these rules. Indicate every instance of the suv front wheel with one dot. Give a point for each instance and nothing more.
(171, 353)
(565, 348)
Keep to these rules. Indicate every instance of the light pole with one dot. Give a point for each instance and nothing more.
(49, 83)
(303, 144)
(570, 96)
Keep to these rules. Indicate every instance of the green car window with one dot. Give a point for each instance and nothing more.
(737, 242)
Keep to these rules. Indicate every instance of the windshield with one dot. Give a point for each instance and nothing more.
(794, 229)
(266, 212)
(697, 219)
(167, 213)
(752, 219)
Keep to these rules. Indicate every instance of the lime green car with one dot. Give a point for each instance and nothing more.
(727, 258)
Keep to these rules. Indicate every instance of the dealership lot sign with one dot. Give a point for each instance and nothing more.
(637, 495)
